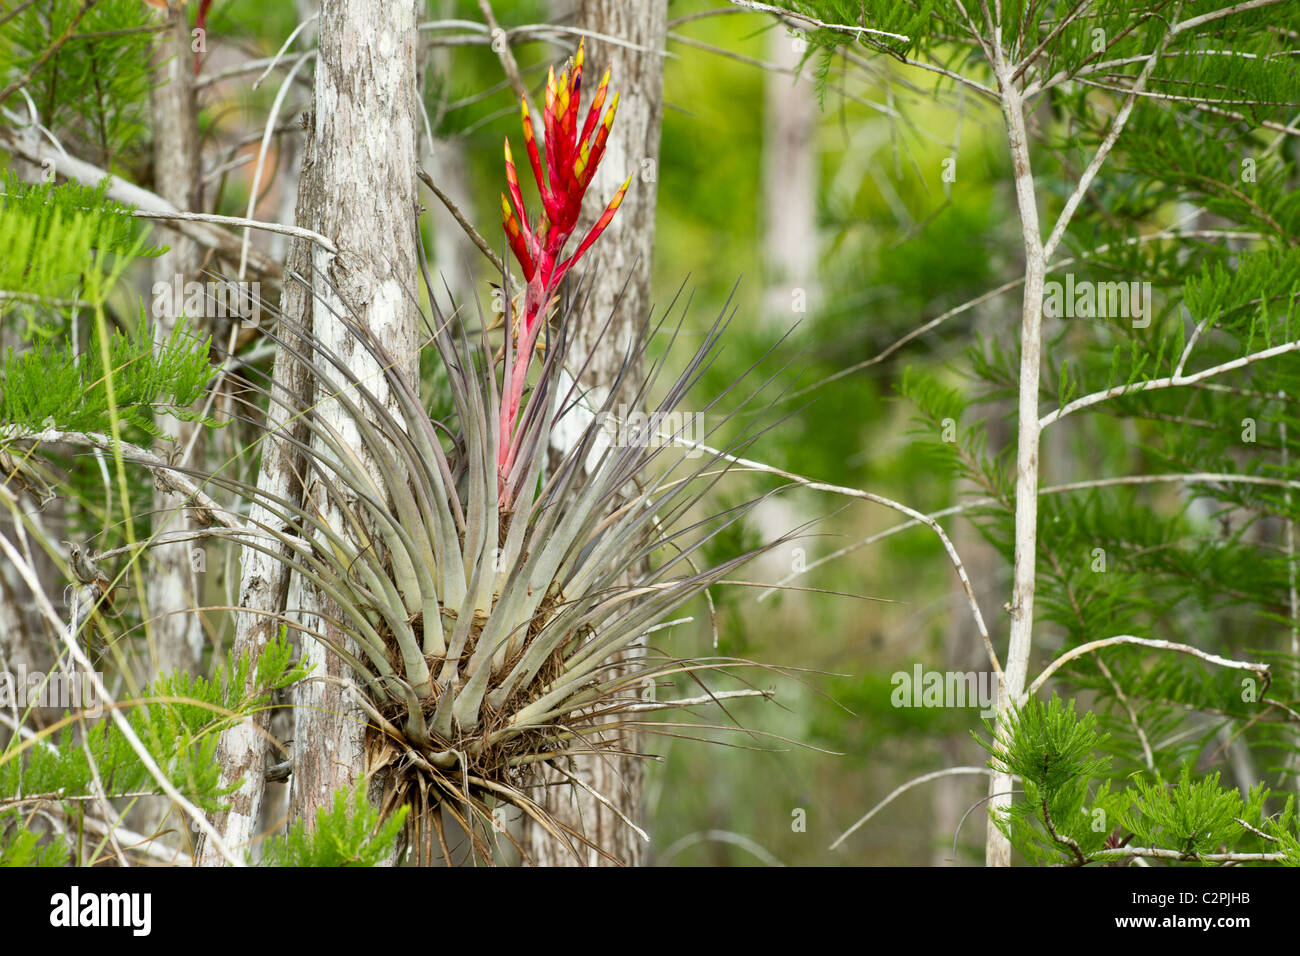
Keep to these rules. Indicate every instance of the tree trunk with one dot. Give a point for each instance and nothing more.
(623, 251)
(264, 581)
(363, 196)
(357, 186)
(1016, 667)
(790, 120)
(176, 629)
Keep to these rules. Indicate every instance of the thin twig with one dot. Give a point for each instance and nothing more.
(163, 472)
(877, 499)
(503, 52)
(465, 224)
(123, 725)
(812, 21)
(899, 791)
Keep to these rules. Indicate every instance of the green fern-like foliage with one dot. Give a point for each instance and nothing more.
(1071, 808)
(1194, 816)
(349, 833)
(55, 236)
(90, 69)
(23, 847)
(1053, 751)
(54, 386)
(179, 719)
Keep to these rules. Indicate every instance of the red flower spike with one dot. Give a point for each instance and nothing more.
(578, 59)
(571, 161)
(593, 114)
(518, 244)
(605, 218)
(598, 143)
(512, 180)
(530, 143)
(580, 164)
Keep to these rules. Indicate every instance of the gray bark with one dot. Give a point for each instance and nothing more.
(366, 117)
(264, 581)
(357, 186)
(177, 631)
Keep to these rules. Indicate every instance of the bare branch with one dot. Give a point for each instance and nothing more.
(504, 53)
(1220, 14)
(877, 499)
(25, 141)
(296, 232)
(465, 224)
(175, 482)
(899, 791)
(29, 575)
(1170, 381)
(1161, 854)
(1094, 166)
(813, 21)
(1076, 652)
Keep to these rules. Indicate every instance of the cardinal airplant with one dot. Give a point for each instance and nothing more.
(489, 588)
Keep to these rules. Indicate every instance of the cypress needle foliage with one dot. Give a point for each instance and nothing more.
(1053, 752)
(348, 833)
(178, 718)
(23, 846)
(90, 69)
(56, 386)
(61, 240)
(1074, 811)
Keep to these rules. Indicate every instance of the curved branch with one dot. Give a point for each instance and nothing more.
(899, 791)
(1255, 667)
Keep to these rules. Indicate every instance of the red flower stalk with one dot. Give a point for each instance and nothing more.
(200, 23)
(571, 160)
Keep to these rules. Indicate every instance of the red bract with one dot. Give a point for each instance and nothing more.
(572, 156)
(200, 23)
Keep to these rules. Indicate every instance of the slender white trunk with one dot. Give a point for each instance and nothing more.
(997, 847)
(264, 581)
(790, 120)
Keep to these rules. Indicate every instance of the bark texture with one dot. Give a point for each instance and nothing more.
(264, 581)
(176, 630)
(621, 257)
(364, 187)
(357, 186)
(1016, 668)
